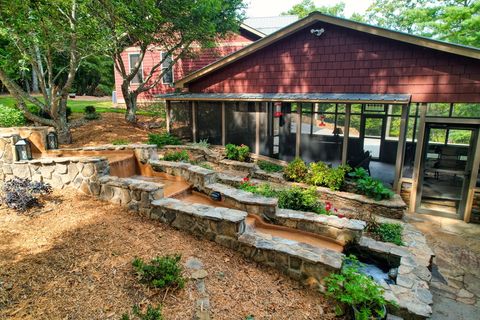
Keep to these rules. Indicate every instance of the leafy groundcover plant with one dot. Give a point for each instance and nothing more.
(388, 232)
(296, 170)
(269, 166)
(369, 186)
(152, 313)
(238, 153)
(161, 272)
(263, 189)
(163, 139)
(177, 156)
(355, 292)
(22, 194)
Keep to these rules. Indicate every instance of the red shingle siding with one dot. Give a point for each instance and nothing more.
(348, 61)
(184, 66)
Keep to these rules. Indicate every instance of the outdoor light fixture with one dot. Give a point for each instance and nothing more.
(317, 32)
(337, 131)
(216, 196)
(52, 140)
(23, 149)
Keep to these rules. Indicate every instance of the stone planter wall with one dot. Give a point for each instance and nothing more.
(36, 135)
(143, 152)
(7, 149)
(80, 173)
(135, 194)
(196, 152)
(341, 230)
(199, 177)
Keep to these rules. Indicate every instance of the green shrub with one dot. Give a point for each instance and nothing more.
(160, 272)
(119, 142)
(11, 117)
(373, 188)
(296, 170)
(89, 109)
(269, 166)
(177, 156)
(358, 173)
(297, 198)
(163, 139)
(320, 174)
(237, 153)
(389, 232)
(152, 313)
(202, 143)
(263, 189)
(92, 116)
(354, 289)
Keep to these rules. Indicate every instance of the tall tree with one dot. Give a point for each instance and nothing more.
(174, 26)
(305, 7)
(49, 37)
(448, 20)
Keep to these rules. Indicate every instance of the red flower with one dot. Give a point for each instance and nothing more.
(340, 215)
(246, 179)
(328, 206)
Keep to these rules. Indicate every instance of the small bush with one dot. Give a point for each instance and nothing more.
(263, 189)
(92, 116)
(176, 156)
(358, 173)
(89, 109)
(320, 174)
(21, 194)
(373, 188)
(163, 139)
(354, 289)
(237, 153)
(296, 170)
(296, 198)
(11, 117)
(388, 232)
(161, 272)
(269, 166)
(152, 313)
(119, 142)
(202, 143)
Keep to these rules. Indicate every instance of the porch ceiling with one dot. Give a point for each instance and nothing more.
(290, 97)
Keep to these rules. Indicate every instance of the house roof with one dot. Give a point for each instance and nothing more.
(252, 30)
(290, 97)
(315, 17)
(269, 25)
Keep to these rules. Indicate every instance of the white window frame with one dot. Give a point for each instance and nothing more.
(140, 70)
(171, 69)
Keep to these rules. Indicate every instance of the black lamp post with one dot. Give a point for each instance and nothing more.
(52, 140)
(24, 150)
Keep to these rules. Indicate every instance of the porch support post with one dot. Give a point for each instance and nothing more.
(473, 182)
(168, 107)
(418, 157)
(194, 120)
(224, 129)
(257, 128)
(299, 130)
(402, 139)
(346, 133)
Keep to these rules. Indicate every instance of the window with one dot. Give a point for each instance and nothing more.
(167, 68)
(133, 59)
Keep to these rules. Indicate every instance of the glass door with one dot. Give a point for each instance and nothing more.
(373, 134)
(445, 169)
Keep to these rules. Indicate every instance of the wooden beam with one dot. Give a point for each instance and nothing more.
(298, 136)
(194, 120)
(257, 128)
(168, 108)
(418, 158)
(402, 140)
(224, 128)
(346, 133)
(473, 180)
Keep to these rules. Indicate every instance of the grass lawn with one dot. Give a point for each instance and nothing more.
(78, 106)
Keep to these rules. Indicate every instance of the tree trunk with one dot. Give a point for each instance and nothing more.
(64, 134)
(61, 122)
(131, 103)
(34, 82)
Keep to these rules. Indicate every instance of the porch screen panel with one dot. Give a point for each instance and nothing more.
(240, 122)
(181, 119)
(209, 122)
(321, 132)
(265, 138)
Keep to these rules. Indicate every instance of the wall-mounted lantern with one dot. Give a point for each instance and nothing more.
(23, 149)
(216, 196)
(52, 140)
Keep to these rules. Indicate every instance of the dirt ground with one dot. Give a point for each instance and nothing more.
(109, 127)
(72, 260)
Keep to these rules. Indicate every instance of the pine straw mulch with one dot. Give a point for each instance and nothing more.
(110, 127)
(72, 260)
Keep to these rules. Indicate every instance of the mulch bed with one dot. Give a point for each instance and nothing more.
(72, 258)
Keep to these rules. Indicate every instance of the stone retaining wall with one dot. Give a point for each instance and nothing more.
(341, 230)
(135, 194)
(196, 152)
